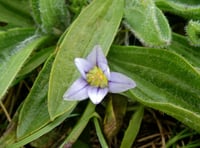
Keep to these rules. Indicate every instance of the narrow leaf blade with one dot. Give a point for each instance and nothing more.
(133, 128)
(13, 57)
(34, 109)
(15, 12)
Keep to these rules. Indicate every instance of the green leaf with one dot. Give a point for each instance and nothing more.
(99, 133)
(80, 126)
(16, 12)
(115, 112)
(165, 81)
(15, 47)
(133, 128)
(11, 38)
(186, 133)
(193, 32)
(40, 132)
(34, 116)
(35, 60)
(36, 11)
(147, 22)
(181, 46)
(34, 113)
(185, 8)
(9, 136)
(84, 33)
(53, 14)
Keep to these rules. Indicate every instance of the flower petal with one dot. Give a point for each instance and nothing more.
(96, 56)
(77, 91)
(96, 95)
(105, 69)
(83, 66)
(119, 82)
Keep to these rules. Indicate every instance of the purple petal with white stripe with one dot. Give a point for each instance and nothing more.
(77, 91)
(119, 82)
(97, 56)
(96, 95)
(83, 66)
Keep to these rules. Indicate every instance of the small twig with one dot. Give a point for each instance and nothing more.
(5, 111)
(27, 86)
(160, 129)
(148, 137)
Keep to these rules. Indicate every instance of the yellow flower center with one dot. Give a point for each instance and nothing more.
(96, 77)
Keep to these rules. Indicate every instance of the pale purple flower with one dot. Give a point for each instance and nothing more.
(96, 79)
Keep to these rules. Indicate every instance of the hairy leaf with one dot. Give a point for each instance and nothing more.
(165, 81)
(16, 47)
(193, 32)
(180, 45)
(147, 22)
(185, 8)
(53, 15)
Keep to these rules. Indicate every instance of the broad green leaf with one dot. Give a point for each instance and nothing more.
(53, 14)
(181, 46)
(16, 12)
(147, 22)
(133, 128)
(165, 81)
(185, 8)
(84, 33)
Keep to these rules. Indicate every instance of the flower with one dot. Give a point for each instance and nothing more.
(96, 79)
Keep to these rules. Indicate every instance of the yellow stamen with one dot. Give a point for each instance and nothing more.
(96, 77)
